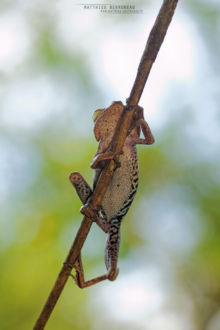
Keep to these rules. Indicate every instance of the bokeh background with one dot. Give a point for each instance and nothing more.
(59, 62)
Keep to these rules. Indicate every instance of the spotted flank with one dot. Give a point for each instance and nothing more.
(127, 203)
(113, 239)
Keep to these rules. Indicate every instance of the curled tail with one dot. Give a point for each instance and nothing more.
(112, 249)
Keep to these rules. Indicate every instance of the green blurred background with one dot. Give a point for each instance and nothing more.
(59, 62)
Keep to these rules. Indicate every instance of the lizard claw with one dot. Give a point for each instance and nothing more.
(89, 211)
(76, 280)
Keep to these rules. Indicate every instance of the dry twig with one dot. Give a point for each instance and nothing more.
(154, 42)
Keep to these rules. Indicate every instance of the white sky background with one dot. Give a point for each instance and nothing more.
(114, 55)
(114, 50)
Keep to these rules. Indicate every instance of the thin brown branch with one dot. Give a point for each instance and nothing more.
(152, 48)
(154, 42)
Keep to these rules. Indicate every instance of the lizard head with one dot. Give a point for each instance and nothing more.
(105, 124)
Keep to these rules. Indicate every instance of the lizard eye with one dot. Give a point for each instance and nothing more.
(96, 114)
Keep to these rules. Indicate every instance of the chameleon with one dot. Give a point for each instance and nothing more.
(123, 185)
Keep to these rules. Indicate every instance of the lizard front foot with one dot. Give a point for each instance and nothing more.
(99, 159)
(89, 212)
